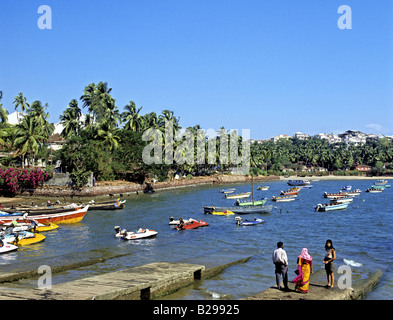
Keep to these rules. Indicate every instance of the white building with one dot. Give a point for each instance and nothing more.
(301, 136)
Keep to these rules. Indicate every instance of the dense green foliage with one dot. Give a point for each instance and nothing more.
(99, 138)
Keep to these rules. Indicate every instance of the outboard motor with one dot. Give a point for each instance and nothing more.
(171, 218)
(117, 229)
(238, 220)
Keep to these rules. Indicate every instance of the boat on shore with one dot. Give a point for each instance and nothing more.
(331, 207)
(70, 216)
(298, 182)
(238, 196)
(256, 202)
(284, 198)
(239, 209)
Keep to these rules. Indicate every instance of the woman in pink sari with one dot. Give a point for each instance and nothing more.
(302, 281)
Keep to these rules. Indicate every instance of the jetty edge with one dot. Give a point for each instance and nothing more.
(146, 282)
(362, 283)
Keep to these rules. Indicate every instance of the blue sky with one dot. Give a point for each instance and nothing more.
(271, 66)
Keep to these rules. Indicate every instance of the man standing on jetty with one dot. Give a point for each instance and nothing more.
(280, 260)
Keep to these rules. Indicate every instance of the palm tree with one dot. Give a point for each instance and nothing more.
(96, 99)
(133, 120)
(70, 119)
(28, 137)
(108, 135)
(20, 101)
(38, 112)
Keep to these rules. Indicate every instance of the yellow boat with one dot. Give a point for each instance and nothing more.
(36, 239)
(48, 227)
(222, 213)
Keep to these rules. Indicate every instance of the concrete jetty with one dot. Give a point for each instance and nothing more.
(146, 282)
(362, 282)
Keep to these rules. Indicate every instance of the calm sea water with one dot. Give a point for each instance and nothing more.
(362, 233)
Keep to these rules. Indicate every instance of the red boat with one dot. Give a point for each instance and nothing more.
(72, 216)
(193, 224)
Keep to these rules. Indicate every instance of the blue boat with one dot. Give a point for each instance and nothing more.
(298, 182)
(240, 222)
(346, 188)
(6, 214)
(331, 207)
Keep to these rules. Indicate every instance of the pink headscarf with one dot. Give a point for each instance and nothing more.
(305, 255)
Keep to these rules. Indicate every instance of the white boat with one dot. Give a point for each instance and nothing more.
(263, 188)
(298, 182)
(238, 196)
(331, 207)
(240, 222)
(7, 247)
(172, 221)
(346, 188)
(341, 200)
(371, 190)
(134, 235)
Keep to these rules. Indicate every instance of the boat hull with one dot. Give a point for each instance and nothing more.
(240, 209)
(331, 207)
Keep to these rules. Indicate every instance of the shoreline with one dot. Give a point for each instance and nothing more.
(112, 189)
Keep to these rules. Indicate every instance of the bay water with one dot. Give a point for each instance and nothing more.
(362, 235)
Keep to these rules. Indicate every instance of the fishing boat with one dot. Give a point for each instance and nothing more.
(238, 196)
(341, 200)
(354, 193)
(292, 191)
(107, 205)
(346, 188)
(192, 224)
(331, 207)
(263, 188)
(71, 216)
(34, 210)
(378, 187)
(239, 209)
(372, 190)
(240, 222)
(306, 187)
(257, 202)
(230, 190)
(7, 248)
(222, 213)
(134, 235)
(284, 198)
(380, 182)
(335, 195)
(298, 182)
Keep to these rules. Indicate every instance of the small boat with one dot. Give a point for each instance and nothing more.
(107, 205)
(134, 235)
(7, 247)
(380, 182)
(46, 228)
(298, 182)
(222, 213)
(23, 238)
(240, 222)
(335, 195)
(8, 214)
(284, 198)
(264, 188)
(239, 209)
(346, 188)
(257, 202)
(331, 207)
(30, 226)
(238, 196)
(231, 190)
(378, 187)
(292, 191)
(70, 216)
(354, 193)
(341, 200)
(172, 221)
(372, 190)
(192, 224)
(306, 187)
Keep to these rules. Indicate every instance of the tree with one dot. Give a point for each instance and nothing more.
(131, 117)
(70, 119)
(20, 101)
